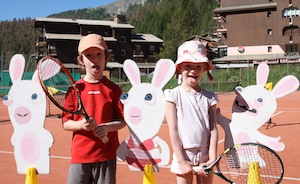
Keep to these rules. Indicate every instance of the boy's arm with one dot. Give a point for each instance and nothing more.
(82, 124)
(103, 129)
(114, 125)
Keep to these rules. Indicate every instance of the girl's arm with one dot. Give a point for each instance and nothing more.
(171, 117)
(213, 135)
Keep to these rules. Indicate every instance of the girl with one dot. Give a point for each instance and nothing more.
(190, 113)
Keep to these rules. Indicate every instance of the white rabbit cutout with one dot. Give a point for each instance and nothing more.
(26, 102)
(144, 113)
(253, 107)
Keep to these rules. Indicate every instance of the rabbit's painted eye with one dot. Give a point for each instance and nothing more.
(124, 97)
(36, 98)
(8, 100)
(260, 100)
(240, 89)
(149, 98)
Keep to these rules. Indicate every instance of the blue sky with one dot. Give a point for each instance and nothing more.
(19, 9)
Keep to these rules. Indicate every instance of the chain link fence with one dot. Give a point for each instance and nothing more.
(225, 79)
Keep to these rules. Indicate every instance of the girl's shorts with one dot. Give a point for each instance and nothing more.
(195, 155)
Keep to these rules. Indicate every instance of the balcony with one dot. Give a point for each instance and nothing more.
(138, 53)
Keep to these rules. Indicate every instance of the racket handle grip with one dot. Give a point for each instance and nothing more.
(197, 168)
(105, 139)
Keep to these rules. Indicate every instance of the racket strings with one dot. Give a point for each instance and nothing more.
(239, 164)
(55, 80)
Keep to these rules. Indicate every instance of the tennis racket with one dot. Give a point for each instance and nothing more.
(55, 80)
(247, 163)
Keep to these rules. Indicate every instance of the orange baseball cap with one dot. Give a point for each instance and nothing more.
(91, 40)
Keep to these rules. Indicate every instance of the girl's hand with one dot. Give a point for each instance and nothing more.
(186, 167)
(199, 169)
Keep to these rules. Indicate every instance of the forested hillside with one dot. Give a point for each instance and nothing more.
(171, 20)
(17, 36)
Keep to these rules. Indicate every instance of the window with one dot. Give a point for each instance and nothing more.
(269, 31)
(151, 49)
(269, 48)
(123, 39)
(123, 52)
(138, 48)
(291, 48)
(222, 51)
(290, 12)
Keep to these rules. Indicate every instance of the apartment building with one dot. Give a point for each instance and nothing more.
(254, 31)
(60, 38)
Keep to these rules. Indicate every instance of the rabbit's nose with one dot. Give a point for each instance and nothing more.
(22, 115)
(135, 115)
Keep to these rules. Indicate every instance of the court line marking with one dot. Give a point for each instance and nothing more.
(125, 163)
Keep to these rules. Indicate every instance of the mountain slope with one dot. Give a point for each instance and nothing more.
(99, 13)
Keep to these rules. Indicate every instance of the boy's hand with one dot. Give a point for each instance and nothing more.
(101, 131)
(88, 125)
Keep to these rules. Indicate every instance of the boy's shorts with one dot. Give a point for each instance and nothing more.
(98, 173)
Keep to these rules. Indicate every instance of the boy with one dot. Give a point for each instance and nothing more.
(93, 161)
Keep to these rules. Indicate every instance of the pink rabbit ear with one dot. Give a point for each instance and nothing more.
(132, 71)
(285, 86)
(163, 72)
(35, 77)
(262, 74)
(16, 67)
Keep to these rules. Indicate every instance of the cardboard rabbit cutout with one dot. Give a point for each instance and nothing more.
(144, 113)
(253, 107)
(26, 104)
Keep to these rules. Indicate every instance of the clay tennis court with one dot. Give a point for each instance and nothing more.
(287, 126)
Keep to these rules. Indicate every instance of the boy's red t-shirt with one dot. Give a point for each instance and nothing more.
(102, 101)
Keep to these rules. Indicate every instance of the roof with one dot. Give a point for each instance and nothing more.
(146, 65)
(114, 65)
(55, 36)
(111, 24)
(139, 37)
(245, 7)
(62, 20)
(71, 65)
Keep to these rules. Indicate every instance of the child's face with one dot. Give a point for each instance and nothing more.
(192, 72)
(94, 61)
